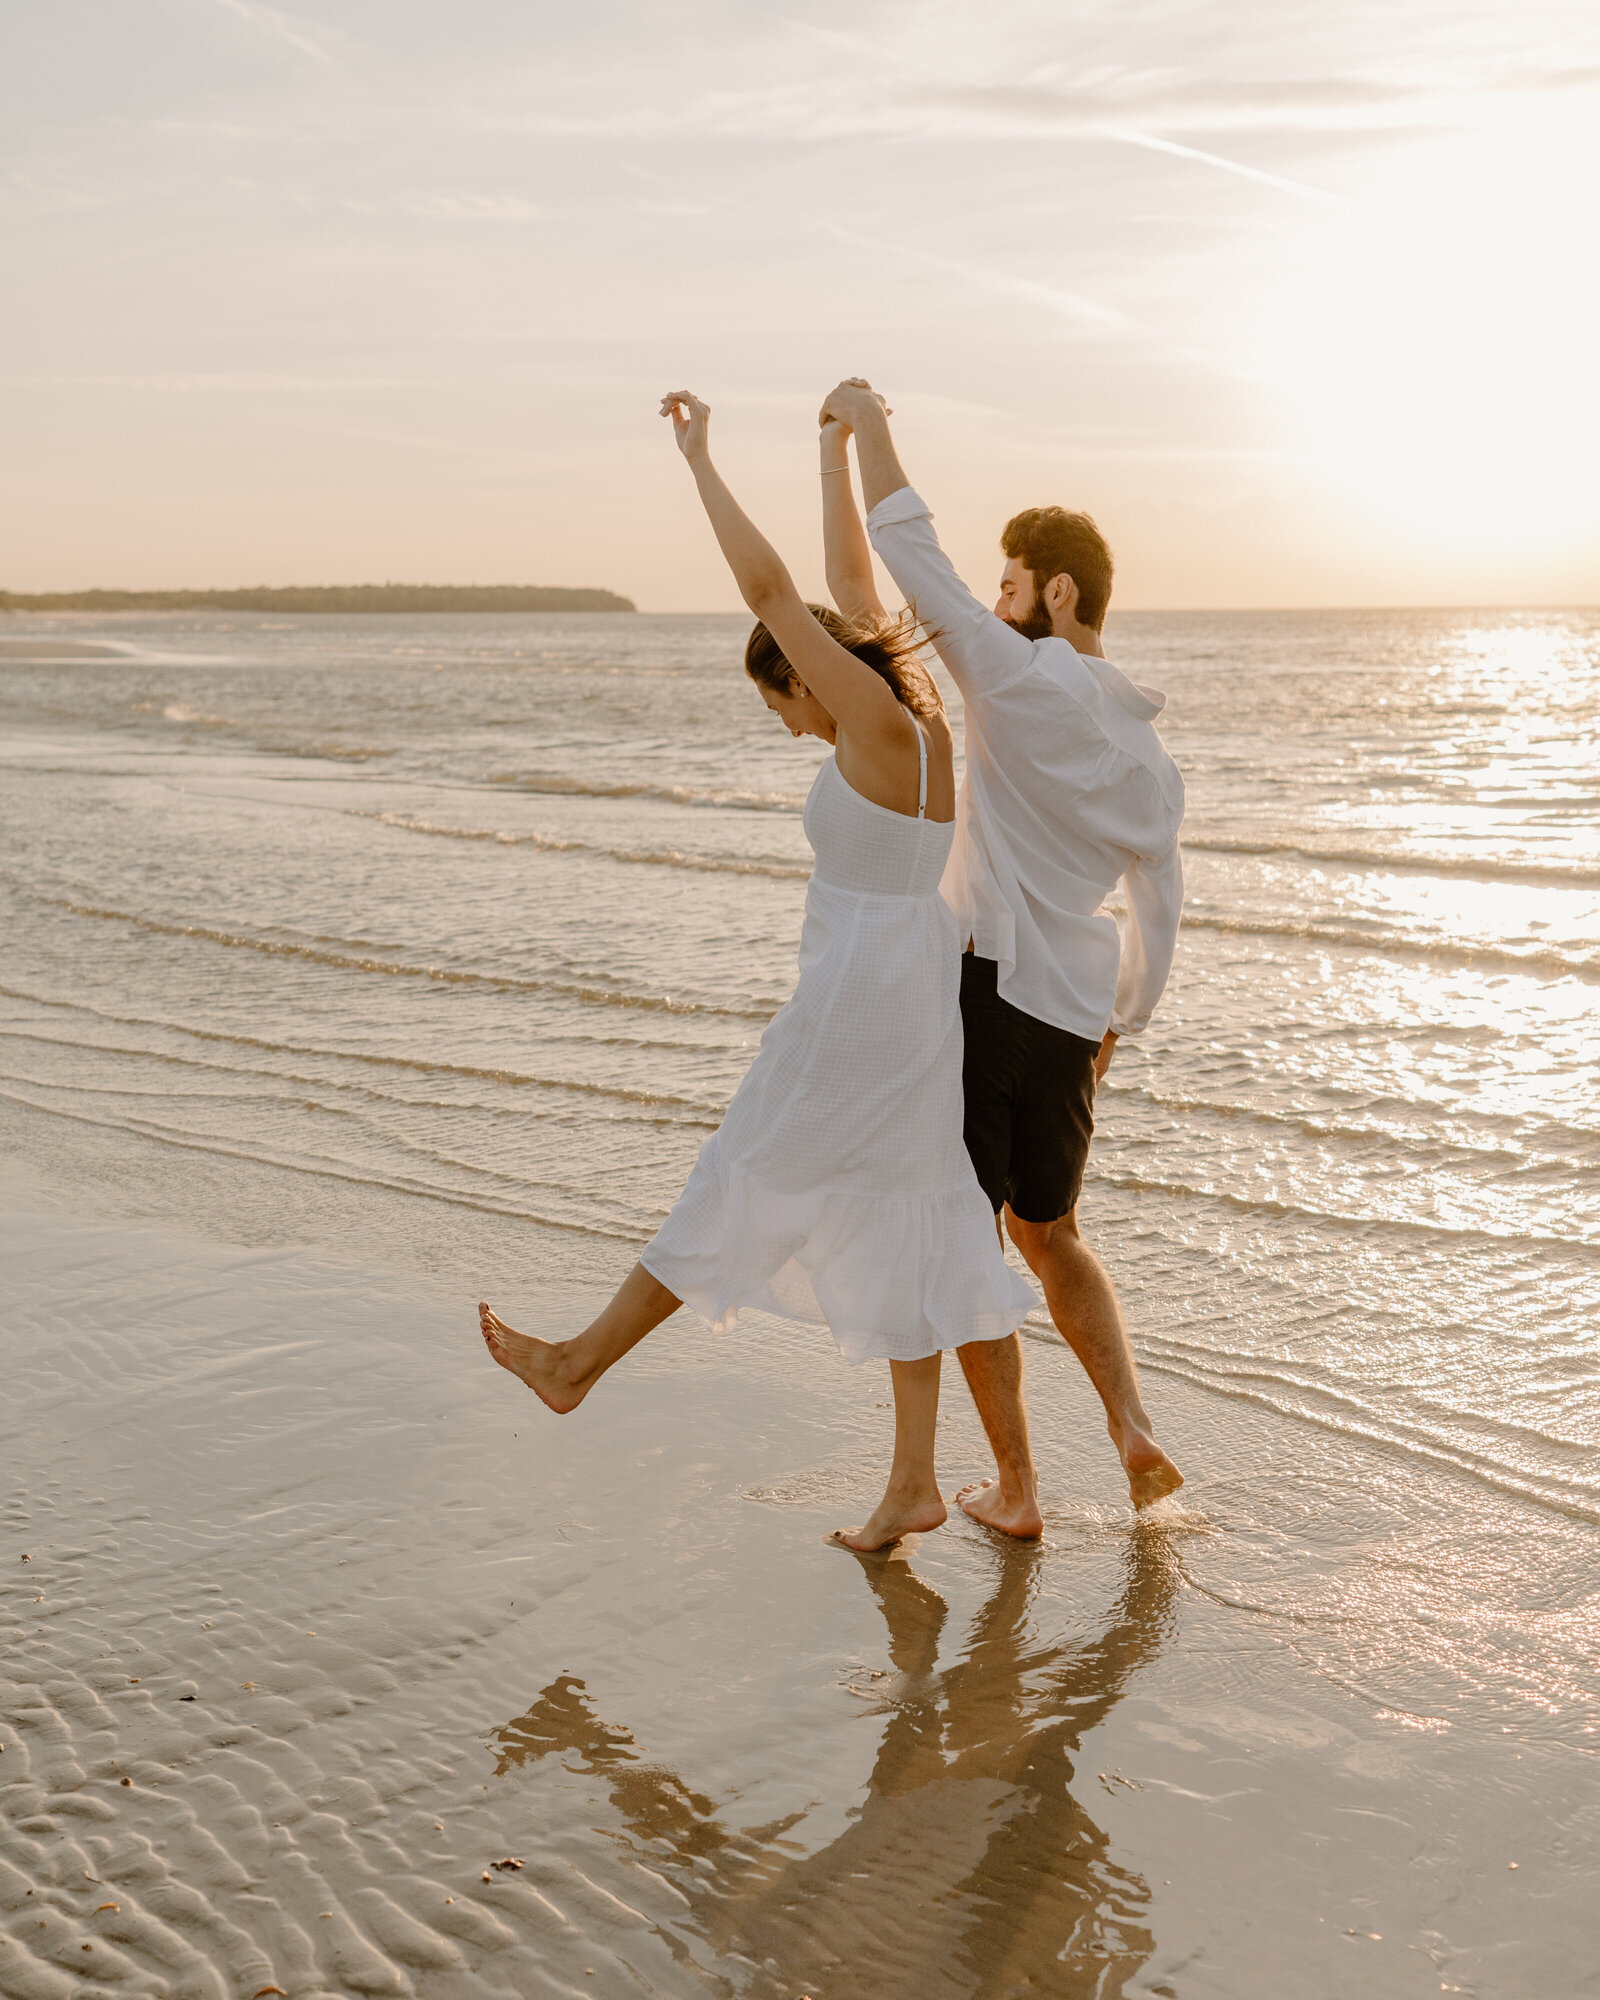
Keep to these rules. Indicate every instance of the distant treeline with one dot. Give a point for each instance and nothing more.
(332, 597)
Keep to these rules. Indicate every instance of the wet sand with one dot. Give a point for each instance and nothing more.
(310, 1618)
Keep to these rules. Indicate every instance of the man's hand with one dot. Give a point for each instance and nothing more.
(859, 407)
(846, 403)
(1102, 1061)
(691, 422)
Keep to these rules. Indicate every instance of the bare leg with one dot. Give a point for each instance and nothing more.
(911, 1503)
(993, 1369)
(1083, 1304)
(562, 1372)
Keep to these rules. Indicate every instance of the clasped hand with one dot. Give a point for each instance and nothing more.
(845, 403)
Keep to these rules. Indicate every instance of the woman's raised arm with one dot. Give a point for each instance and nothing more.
(857, 699)
(847, 554)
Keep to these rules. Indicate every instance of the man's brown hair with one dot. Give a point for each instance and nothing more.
(1051, 542)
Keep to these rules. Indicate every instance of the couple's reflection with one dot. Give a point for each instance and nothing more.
(970, 1870)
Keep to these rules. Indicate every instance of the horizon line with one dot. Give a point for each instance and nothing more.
(10, 607)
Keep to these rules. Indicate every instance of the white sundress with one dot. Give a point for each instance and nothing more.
(838, 1188)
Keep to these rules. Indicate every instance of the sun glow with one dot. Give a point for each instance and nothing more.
(1440, 337)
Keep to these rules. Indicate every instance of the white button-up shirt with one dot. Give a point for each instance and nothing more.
(1068, 791)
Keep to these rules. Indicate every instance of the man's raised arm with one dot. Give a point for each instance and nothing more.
(978, 648)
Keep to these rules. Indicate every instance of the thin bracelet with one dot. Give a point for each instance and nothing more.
(827, 469)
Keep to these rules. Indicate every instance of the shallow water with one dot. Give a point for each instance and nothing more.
(493, 910)
(460, 932)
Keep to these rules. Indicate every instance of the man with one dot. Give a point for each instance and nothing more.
(1068, 791)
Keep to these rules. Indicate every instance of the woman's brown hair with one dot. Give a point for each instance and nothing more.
(890, 649)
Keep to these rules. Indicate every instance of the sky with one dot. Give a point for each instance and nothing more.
(1300, 301)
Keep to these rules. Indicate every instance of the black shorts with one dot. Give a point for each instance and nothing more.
(1030, 1100)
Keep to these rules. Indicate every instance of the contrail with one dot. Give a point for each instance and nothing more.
(1280, 181)
(1070, 305)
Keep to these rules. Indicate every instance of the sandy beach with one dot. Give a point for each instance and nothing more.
(356, 971)
(311, 1620)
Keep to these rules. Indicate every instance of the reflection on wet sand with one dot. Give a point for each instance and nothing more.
(970, 1870)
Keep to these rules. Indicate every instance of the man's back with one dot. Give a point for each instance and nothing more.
(1069, 790)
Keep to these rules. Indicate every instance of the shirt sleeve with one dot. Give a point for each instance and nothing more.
(980, 650)
(1155, 905)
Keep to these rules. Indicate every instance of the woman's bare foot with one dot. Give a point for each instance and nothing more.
(544, 1365)
(1151, 1474)
(992, 1507)
(896, 1515)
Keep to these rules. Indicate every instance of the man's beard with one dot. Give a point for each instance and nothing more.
(1036, 625)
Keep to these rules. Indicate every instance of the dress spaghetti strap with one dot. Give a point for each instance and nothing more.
(922, 775)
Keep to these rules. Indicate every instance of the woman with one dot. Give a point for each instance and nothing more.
(837, 1187)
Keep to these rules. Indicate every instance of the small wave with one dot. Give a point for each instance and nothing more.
(188, 717)
(651, 1100)
(557, 785)
(343, 753)
(409, 823)
(1328, 1218)
(187, 1142)
(651, 857)
(177, 711)
(1417, 1142)
(1269, 1389)
(422, 1064)
(181, 711)
(1538, 959)
(711, 864)
(316, 954)
(1468, 868)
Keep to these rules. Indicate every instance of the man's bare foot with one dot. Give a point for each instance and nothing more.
(1155, 1483)
(1151, 1474)
(991, 1508)
(892, 1519)
(542, 1364)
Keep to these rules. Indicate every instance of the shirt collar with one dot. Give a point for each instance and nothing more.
(1143, 703)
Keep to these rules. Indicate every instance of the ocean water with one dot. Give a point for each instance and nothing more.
(480, 919)
(493, 910)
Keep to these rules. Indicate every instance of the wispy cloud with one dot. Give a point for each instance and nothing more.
(232, 384)
(913, 99)
(1402, 98)
(273, 21)
(439, 205)
(471, 207)
(62, 191)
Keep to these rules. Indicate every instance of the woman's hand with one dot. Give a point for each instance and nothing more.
(834, 438)
(691, 423)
